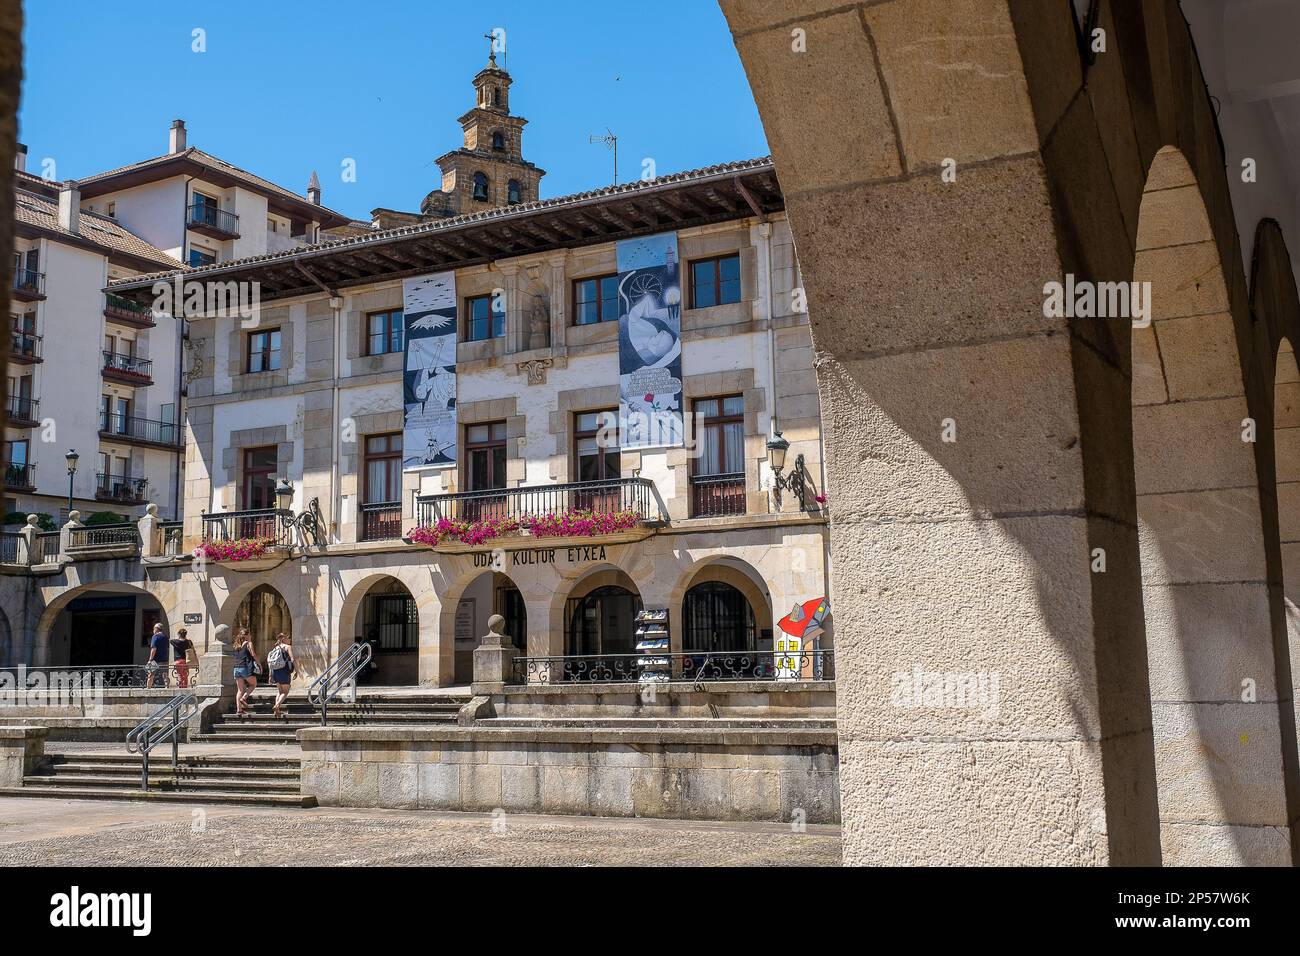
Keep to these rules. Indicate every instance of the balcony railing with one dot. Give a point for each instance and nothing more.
(93, 537)
(25, 347)
(47, 547)
(21, 477)
(263, 523)
(172, 534)
(9, 546)
(120, 488)
(690, 666)
(132, 429)
(716, 495)
(603, 497)
(127, 312)
(381, 521)
(29, 284)
(22, 409)
(128, 367)
(208, 218)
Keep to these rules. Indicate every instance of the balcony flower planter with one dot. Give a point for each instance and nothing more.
(238, 551)
(566, 524)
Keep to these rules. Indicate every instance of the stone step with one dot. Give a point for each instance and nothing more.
(184, 772)
(190, 761)
(297, 722)
(302, 707)
(163, 780)
(174, 796)
(229, 734)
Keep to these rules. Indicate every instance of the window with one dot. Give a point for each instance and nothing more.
(112, 210)
(383, 482)
(384, 332)
(16, 452)
(480, 187)
(270, 225)
(715, 281)
(722, 441)
(482, 320)
(114, 414)
(264, 351)
(512, 191)
(485, 456)
(201, 257)
(259, 478)
(595, 445)
(498, 141)
(496, 96)
(595, 300)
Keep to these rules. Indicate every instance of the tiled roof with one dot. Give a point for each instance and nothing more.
(42, 213)
(628, 190)
(207, 159)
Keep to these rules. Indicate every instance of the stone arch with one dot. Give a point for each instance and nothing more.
(388, 666)
(459, 663)
(1206, 600)
(999, 529)
(59, 602)
(727, 569)
(601, 575)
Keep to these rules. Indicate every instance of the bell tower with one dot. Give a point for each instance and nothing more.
(489, 169)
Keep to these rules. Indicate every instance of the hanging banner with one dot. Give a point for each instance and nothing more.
(429, 380)
(649, 342)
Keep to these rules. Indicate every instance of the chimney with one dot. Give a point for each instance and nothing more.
(176, 142)
(313, 189)
(70, 206)
(20, 158)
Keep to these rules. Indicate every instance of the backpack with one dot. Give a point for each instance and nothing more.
(277, 658)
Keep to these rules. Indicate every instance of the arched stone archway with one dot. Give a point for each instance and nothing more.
(466, 608)
(115, 614)
(733, 572)
(956, 185)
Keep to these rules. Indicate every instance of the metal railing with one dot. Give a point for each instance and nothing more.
(338, 677)
(689, 666)
(29, 281)
(9, 546)
(716, 495)
(173, 533)
(140, 429)
(24, 344)
(602, 497)
(120, 488)
(130, 365)
(381, 521)
(205, 214)
(262, 523)
(47, 547)
(22, 408)
(126, 534)
(116, 307)
(163, 724)
(18, 475)
(119, 676)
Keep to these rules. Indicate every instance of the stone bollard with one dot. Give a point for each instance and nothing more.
(494, 659)
(27, 545)
(150, 533)
(65, 533)
(217, 667)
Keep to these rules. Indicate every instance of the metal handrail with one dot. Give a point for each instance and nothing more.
(163, 724)
(342, 673)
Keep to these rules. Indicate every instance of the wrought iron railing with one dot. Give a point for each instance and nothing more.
(120, 488)
(114, 676)
(29, 281)
(116, 307)
(205, 214)
(381, 521)
(19, 475)
(716, 495)
(22, 408)
(89, 537)
(603, 497)
(24, 344)
(173, 532)
(9, 547)
(696, 666)
(263, 523)
(47, 547)
(140, 429)
(129, 365)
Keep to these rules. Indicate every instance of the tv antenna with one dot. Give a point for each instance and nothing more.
(611, 142)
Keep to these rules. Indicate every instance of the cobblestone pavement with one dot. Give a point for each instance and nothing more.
(110, 833)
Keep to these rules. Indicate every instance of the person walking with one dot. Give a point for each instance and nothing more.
(281, 664)
(158, 656)
(182, 648)
(246, 670)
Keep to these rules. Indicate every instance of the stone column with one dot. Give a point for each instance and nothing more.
(216, 676)
(65, 533)
(493, 659)
(150, 539)
(27, 546)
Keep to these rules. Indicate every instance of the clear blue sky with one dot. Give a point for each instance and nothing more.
(286, 87)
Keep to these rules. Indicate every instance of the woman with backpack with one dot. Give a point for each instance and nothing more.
(281, 662)
(246, 670)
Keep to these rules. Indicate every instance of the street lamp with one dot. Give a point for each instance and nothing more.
(776, 449)
(797, 481)
(71, 458)
(284, 495)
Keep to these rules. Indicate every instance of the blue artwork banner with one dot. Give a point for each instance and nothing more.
(649, 342)
(429, 371)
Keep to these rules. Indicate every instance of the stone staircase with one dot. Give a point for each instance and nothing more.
(372, 708)
(255, 780)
